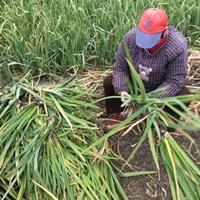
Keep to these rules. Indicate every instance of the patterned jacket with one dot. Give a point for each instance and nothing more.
(165, 69)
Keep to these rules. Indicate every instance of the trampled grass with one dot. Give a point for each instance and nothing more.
(53, 35)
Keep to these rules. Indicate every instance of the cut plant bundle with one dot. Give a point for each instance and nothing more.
(44, 131)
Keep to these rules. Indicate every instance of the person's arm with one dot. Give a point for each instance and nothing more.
(175, 76)
(120, 70)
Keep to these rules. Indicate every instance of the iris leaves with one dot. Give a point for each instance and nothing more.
(44, 134)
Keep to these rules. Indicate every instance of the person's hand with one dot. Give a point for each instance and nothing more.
(125, 98)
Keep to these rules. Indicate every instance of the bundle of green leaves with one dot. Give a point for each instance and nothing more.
(44, 132)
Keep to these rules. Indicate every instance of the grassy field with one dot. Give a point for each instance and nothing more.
(54, 35)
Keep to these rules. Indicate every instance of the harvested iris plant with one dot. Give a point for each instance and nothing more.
(44, 131)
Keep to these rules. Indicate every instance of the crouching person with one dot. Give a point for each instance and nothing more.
(159, 54)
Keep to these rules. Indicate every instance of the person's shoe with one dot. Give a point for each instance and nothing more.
(114, 119)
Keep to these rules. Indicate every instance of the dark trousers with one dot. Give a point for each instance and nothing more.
(113, 105)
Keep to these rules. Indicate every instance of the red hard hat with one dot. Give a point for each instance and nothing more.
(153, 22)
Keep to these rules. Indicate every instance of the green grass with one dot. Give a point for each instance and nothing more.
(53, 35)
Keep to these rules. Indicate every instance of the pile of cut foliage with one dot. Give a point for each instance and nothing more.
(44, 131)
